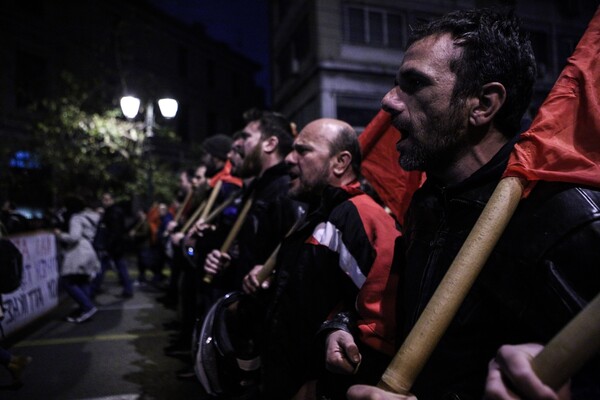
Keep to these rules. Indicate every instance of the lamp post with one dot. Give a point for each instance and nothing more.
(130, 107)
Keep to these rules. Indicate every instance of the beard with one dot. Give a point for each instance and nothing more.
(438, 143)
(310, 191)
(252, 163)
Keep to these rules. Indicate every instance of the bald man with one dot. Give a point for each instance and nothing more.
(335, 261)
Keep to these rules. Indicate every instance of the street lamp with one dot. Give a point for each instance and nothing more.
(130, 107)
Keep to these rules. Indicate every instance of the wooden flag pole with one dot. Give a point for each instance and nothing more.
(269, 265)
(566, 353)
(232, 234)
(211, 199)
(215, 213)
(191, 220)
(187, 199)
(445, 302)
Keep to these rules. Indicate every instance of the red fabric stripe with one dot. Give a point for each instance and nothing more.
(376, 302)
(225, 176)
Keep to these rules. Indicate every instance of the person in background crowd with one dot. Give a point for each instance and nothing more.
(79, 261)
(112, 249)
(214, 158)
(141, 236)
(181, 208)
(164, 216)
(462, 88)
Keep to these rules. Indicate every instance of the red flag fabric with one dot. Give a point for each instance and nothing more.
(380, 165)
(153, 217)
(563, 142)
(225, 176)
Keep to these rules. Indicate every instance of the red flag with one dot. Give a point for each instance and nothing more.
(563, 142)
(380, 165)
(225, 176)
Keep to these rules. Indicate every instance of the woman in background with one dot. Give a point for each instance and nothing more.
(79, 262)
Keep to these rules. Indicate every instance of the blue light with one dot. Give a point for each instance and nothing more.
(24, 159)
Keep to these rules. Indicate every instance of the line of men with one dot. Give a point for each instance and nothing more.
(349, 284)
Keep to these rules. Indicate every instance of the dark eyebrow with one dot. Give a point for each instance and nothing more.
(413, 74)
(300, 147)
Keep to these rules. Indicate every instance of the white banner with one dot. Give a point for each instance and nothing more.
(38, 292)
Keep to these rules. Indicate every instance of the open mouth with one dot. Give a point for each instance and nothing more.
(403, 129)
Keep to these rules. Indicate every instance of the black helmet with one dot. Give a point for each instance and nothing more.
(227, 355)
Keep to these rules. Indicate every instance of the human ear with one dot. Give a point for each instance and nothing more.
(341, 162)
(270, 145)
(486, 106)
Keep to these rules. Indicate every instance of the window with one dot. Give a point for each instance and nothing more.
(357, 111)
(374, 27)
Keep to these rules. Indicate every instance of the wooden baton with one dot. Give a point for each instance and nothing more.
(232, 234)
(566, 353)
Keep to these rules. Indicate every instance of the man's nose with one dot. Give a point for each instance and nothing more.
(392, 102)
(290, 159)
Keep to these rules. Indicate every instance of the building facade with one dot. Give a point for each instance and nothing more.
(337, 58)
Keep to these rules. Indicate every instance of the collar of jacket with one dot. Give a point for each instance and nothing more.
(271, 174)
(492, 171)
(333, 196)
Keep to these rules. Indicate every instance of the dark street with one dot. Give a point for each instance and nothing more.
(118, 354)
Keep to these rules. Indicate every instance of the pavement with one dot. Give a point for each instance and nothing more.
(117, 355)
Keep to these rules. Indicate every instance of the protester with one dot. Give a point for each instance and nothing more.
(164, 217)
(180, 210)
(188, 250)
(345, 238)
(267, 138)
(463, 85)
(141, 237)
(113, 247)
(79, 262)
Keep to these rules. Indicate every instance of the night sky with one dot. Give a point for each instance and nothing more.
(242, 24)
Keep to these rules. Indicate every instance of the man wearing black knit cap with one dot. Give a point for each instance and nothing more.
(214, 153)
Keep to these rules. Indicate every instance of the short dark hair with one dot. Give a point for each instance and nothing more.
(495, 49)
(273, 124)
(74, 203)
(347, 140)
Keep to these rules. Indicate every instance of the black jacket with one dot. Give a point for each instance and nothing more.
(271, 216)
(113, 220)
(320, 267)
(545, 267)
